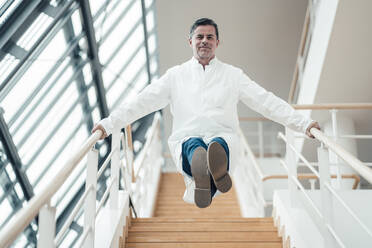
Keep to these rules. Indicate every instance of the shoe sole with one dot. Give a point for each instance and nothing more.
(217, 165)
(199, 170)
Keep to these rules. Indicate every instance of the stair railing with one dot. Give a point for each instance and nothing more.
(323, 215)
(254, 173)
(145, 178)
(40, 204)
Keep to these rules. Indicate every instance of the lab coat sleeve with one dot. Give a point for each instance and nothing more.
(153, 97)
(269, 105)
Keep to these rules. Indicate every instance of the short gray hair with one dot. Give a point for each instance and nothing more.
(203, 22)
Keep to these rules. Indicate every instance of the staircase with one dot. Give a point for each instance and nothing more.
(178, 224)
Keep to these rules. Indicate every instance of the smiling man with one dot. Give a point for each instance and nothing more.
(203, 94)
(204, 40)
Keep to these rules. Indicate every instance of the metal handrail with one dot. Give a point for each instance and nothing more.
(340, 136)
(307, 163)
(322, 106)
(252, 157)
(105, 163)
(147, 144)
(105, 195)
(352, 161)
(311, 202)
(312, 176)
(315, 106)
(28, 213)
(348, 209)
(17, 224)
(355, 163)
(71, 217)
(256, 166)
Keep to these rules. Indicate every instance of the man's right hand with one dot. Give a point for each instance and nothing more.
(100, 127)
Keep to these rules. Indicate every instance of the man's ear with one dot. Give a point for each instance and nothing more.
(218, 42)
(190, 42)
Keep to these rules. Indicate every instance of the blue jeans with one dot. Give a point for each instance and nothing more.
(188, 148)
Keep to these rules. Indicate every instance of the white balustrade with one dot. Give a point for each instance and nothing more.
(291, 162)
(115, 162)
(326, 196)
(47, 226)
(90, 200)
(40, 203)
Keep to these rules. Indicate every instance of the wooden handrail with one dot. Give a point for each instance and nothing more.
(312, 176)
(301, 49)
(19, 222)
(128, 132)
(355, 163)
(321, 106)
(317, 106)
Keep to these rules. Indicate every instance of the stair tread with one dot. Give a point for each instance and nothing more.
(206, 245)
(202, 226)
(179, 224)
(155, 237)
(220, 220)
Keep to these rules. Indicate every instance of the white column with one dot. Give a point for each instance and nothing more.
(47, 227)
(90, 201)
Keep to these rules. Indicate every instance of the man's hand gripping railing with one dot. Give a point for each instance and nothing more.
(351, 160)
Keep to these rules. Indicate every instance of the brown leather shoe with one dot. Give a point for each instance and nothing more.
(217, 165)
(199, 170)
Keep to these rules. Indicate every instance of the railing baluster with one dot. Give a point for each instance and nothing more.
(291, 161)
(334, 158)
(115, 163)
(260, 139)
(47, 227)
(326, 196)
(90, 201)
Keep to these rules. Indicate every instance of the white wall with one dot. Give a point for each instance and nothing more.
(347, 74)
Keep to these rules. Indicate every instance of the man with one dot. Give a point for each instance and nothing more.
(203, 94)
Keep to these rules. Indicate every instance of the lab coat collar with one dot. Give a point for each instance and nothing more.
(195, 62)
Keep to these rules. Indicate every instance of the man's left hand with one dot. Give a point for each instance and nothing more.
(313, 124)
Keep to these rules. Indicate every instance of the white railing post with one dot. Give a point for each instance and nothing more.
(312, 183)
(326, 196)
(291, 162)
(333, 156)
(47, 227)
(90, 201)
(260, 139)
(115, 163)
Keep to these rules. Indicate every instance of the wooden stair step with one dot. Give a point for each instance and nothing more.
(193, 220)
(179, 224)
(268, 236)
(206, 245)
(202, 226)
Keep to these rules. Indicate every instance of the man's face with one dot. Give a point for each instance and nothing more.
(204, 42)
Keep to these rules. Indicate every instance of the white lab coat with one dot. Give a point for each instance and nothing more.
(204, 104)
